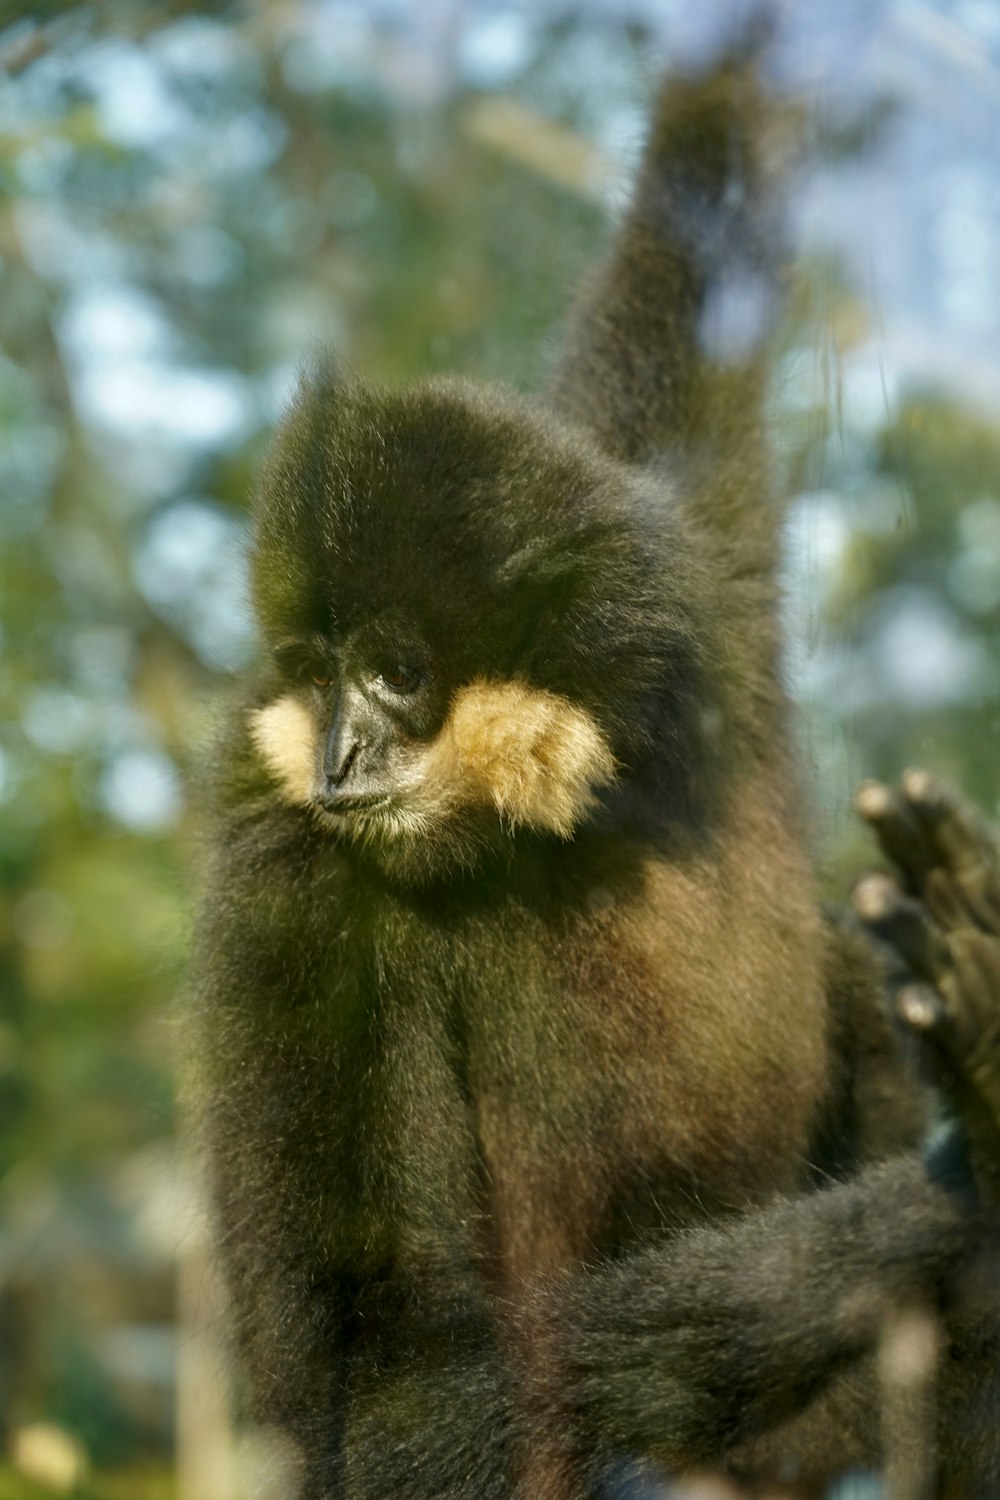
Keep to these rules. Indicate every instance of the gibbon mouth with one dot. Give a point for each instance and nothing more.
(348, 804)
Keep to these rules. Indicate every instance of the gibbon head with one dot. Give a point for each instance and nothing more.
(473, 630)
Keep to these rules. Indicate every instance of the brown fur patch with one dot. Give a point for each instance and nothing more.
(284, 734)
(533, 754)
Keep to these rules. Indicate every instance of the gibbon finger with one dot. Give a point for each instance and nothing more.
(959, 842)
(904, 924)
(901, 836)
(975, 983)
(946, 902)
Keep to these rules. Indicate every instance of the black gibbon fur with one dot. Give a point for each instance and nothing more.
(524, 1046)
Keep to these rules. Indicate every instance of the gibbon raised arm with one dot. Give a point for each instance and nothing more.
(523, 1043)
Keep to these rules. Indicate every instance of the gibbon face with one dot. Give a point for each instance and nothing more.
(472, 629)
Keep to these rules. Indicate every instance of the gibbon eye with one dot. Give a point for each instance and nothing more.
(303, 661)
(400, 678)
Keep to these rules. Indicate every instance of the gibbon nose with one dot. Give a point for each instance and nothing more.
(341, 752)
(338, 771)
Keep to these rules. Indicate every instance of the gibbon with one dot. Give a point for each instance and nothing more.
(556, 1138)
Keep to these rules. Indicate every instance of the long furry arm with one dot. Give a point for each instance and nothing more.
(665, 354)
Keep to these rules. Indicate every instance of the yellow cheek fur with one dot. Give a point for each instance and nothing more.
(285, 737)
(531, 754)
(534, 755)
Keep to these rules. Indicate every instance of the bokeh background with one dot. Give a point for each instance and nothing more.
(193, 198)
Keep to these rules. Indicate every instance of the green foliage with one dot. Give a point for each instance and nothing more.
(14, 1486)
(124, 1484)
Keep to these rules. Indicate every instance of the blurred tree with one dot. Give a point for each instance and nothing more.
(190, 207)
